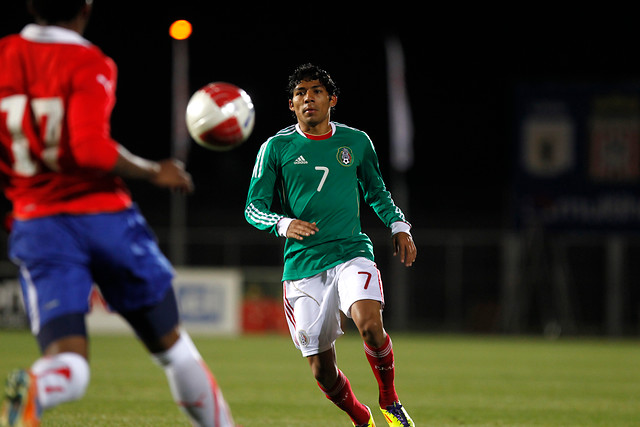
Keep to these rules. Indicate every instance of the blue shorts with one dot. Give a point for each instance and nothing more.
(62, 256)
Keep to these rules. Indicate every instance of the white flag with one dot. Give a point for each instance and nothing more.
(400, 121)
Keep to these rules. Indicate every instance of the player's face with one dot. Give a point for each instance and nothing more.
(311, 104)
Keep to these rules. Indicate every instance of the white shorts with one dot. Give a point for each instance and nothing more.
(312, 305)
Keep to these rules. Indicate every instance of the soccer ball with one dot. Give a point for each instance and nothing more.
(220, 116)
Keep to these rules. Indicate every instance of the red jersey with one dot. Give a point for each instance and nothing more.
(57, 92)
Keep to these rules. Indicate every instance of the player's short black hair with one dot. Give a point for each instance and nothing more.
(307, 72)
(52, 11)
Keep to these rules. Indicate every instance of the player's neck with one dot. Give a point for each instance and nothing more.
(316, 130)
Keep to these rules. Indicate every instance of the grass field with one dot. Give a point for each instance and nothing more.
(442, 380)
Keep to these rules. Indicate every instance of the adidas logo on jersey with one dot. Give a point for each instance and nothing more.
(300, 161)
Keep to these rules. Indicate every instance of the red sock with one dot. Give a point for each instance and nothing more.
(381, 361)
(342, 396)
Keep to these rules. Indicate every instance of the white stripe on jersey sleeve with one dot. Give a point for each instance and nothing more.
(259, 217)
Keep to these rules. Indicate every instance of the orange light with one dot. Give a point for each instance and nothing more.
(180, 29)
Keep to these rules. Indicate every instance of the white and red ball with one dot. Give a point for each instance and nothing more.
(220, 116)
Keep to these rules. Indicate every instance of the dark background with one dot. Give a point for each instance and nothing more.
(462, 66)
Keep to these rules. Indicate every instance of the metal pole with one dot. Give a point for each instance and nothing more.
(180, 148)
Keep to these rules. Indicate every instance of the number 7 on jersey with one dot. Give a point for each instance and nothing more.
(325, 171)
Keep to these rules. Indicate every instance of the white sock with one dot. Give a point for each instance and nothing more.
(193, 386)
(60, 378)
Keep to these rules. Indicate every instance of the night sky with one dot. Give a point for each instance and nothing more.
(463, 65)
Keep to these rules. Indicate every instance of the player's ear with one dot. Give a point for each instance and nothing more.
(333, 101)
(291, 105)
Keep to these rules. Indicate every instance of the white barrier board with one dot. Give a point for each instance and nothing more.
(209, 301)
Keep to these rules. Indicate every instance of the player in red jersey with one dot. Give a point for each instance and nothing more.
(74, 223)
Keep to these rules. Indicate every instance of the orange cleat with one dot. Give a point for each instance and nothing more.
(20, 407)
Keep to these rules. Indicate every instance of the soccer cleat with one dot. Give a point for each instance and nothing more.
(369, 423)
(396, 416)
(20, 407)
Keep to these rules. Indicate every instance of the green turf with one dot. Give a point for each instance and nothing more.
(442, 380)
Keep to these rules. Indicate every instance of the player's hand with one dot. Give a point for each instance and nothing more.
(299, 229)
(404, 247)
(172, 175)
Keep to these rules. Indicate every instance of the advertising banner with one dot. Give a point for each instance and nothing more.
(577, 157)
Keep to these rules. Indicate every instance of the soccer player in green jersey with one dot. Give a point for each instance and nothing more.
(319, 170)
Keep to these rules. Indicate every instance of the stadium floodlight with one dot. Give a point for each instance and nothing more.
(180, 29)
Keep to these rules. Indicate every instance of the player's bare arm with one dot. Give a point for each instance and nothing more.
(299, 229)
(169, 173)
(404, 247)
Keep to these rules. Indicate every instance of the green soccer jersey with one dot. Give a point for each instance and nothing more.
(319, 181)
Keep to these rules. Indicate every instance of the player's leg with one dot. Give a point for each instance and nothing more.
(61, 375)
(63, 371)
(56, 287)
(362, 287)
(314, 322)
(192, 384)
(136, 280)
(337, 388)
(367, 315)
